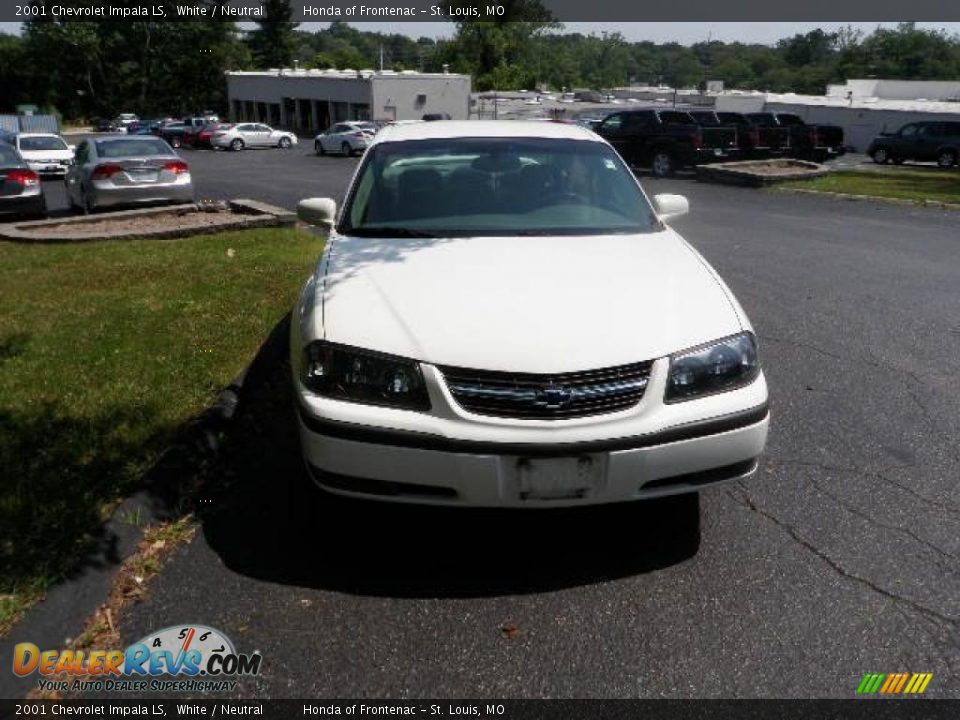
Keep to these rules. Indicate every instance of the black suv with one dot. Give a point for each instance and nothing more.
(934, 140)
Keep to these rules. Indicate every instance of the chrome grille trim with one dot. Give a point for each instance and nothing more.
(548, 396)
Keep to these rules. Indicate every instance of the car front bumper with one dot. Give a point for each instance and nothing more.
(636, 457)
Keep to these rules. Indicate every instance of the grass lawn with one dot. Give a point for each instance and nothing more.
(106, 349)
(901, 183)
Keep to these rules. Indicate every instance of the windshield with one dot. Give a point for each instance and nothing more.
(495, 186)
(134, 147)
(51, 142)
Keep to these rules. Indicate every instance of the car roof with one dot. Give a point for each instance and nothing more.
(23, 135)
(439, 129)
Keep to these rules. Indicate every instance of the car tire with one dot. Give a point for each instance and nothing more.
(347, 150)
(881, 156)
(285, 143)
(176, 142)
(662, 163)
(946, 159)
(236, 144)
(318, 148)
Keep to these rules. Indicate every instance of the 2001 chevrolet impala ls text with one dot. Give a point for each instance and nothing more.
(501, 317)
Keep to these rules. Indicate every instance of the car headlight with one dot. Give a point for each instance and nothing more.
(361, 376)
(719, 366)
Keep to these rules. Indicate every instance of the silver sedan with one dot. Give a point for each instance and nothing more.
(130, 170)
(244, 135)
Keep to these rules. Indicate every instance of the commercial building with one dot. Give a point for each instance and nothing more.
(309, 101)
(863, 108)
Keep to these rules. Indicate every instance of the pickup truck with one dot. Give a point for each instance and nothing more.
(666, 140)
(812, 142)
(754, 140)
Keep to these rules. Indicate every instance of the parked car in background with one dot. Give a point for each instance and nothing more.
(124, 120)
(203, 138)
(347, 138)
(106, 125)
(44, 153)
(20, 190)
(752, 139)
(127, 170)
(666, 140)
(244, 135)
(469, 374)
(937, 141)
(810, 142)
(172, 133)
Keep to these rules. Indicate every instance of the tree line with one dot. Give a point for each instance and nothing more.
(86, 69)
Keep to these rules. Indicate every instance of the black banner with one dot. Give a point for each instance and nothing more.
(861, 709)
(436, 11)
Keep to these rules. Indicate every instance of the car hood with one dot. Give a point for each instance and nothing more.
(531, 304)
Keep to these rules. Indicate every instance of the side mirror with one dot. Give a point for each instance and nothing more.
(670, 206)
(72, 148)
(318, 211)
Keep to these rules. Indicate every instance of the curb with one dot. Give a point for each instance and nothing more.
(263, 215)
(936, 204)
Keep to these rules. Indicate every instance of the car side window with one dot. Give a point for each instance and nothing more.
(263, 128)
(614, 122)
(930, 130)
(908, 131)
(83, 152)
(640, 119)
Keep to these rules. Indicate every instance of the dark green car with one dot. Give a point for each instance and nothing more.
(937, 141)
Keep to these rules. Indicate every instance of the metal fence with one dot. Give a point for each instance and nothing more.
(29, 124)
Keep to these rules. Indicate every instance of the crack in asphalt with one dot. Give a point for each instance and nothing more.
(854, 510)
(879, 474)
(748, 502)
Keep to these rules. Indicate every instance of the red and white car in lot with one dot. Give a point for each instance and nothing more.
(501, 317)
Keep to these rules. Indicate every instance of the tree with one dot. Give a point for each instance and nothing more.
(272, 44)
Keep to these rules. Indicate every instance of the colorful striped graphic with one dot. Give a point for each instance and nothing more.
(894, 683)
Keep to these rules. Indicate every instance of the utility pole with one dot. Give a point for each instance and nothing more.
(381, 57)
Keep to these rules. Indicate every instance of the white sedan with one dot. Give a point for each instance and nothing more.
(502, 318)
(44, 153)
(244, 135)
(346, 138)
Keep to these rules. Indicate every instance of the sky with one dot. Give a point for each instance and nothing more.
(686, 33)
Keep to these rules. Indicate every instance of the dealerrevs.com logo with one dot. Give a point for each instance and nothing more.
(894, 683)
(197, 657)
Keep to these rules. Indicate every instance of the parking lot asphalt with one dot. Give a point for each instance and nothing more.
(841, 557)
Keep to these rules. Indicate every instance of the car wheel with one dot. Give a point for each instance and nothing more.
(662, 163)
(236, 145)
(347, 150)
(881, 156)
(176, 142)
(947, 159)
(318, 148)
(285, 143)
(898, 161)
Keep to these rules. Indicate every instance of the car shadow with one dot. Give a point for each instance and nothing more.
(254, 517)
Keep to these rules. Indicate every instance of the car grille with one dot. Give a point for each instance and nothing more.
(548, 397)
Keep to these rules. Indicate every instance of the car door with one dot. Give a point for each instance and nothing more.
(333, 138)
(264, 136)
(906, 146)
(73, 180)
(612, 129)
(929, 137)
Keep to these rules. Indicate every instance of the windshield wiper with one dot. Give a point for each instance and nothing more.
(386, 232)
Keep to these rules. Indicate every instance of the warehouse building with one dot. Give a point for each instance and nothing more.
(309, 101)
(863, 108)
